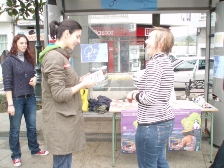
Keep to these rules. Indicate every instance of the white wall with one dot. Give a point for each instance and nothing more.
(200, 23)
(4, 17)
(165, 19)
(201, 41)
(6, 26)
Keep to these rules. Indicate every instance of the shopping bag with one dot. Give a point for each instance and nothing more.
(84, 96)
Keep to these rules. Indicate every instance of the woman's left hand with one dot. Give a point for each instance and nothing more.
(33, 81)
(130, 95)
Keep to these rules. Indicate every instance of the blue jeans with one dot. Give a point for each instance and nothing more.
(26, 107)
(151, 144)
(62, 161)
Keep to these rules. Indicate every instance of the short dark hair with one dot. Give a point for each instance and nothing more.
(57, 28)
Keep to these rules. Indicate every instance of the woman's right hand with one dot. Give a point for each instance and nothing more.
(129, 97)
(11, 110)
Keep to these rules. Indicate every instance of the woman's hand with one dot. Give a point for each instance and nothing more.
(130, 95)
(33, 81)
(11, 110)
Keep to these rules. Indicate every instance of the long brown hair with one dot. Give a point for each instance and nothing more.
(14, 50)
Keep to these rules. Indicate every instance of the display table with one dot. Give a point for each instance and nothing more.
(117, 106)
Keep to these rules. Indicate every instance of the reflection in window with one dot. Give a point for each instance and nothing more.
(211, 67)
(171, 57)
(185, 66)
(179, 56)
(201, 65)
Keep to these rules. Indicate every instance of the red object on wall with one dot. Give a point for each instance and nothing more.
(121, 31)
(143, 31)
(110, 56)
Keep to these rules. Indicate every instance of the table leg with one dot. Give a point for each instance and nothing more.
(115, 133)
(211, 139)
(201, 137)
(113, 137)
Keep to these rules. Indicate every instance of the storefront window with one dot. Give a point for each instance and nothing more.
(125, 42)
(125, 45)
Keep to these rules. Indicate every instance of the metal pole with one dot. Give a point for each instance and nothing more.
(156, 20)
(38, 50)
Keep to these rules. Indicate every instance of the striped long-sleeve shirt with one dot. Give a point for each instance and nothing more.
(155, 88)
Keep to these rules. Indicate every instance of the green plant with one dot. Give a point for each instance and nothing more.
(21, 8)
(3, 103)
(39, 105)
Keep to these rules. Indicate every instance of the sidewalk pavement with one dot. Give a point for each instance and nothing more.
(98, 153)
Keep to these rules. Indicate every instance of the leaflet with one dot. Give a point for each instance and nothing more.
(97, 77)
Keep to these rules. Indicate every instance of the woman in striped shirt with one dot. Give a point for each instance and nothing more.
(155, 118)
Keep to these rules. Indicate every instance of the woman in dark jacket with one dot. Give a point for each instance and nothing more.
(19, 81)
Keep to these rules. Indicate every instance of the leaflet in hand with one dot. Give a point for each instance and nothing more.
(97, 76)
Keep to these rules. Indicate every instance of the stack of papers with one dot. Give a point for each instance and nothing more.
(116, 106)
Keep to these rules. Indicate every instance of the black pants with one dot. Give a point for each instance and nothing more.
(219, 158)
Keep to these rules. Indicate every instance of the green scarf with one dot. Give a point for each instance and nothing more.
(48, 48)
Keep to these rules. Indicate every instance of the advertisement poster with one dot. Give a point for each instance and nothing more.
(129, 4)
(128, 130)
(218, 66)
(134, 52)
(218, 39)
(186, 134)
(94, 52)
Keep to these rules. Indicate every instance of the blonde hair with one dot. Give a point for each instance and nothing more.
(163, 39)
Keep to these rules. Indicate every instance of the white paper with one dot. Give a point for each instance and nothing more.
(218, 39)
(97, 77)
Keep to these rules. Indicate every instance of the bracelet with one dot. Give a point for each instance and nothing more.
(10, 104)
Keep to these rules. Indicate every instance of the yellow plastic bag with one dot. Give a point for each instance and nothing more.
(84, 96)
